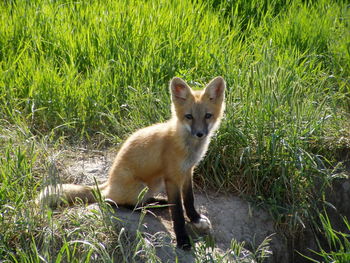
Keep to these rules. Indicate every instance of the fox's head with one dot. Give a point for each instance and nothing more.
(199, 111)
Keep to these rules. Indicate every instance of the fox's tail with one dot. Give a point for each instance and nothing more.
(55, 195)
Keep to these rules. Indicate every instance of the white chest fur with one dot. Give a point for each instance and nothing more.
(196, 150)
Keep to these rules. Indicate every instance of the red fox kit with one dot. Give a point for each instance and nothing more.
(163, 153)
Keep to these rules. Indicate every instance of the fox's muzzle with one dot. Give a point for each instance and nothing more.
(199, 129)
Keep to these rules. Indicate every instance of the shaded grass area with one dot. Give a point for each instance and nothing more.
(95, 71)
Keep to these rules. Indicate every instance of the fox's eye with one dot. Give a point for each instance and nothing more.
(208, 115)
(189, 116)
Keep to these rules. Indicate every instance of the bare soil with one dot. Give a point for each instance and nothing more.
(232, 218)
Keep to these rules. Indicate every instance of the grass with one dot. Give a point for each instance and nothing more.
(92, 72)
(337, 248)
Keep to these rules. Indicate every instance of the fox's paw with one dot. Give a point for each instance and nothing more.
(183, 242)
(202, 224)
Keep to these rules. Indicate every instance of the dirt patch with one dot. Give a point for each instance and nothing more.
(232, 218)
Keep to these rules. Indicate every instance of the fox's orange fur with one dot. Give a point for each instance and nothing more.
(165, 153)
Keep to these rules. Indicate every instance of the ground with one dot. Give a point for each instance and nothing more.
(232, 218)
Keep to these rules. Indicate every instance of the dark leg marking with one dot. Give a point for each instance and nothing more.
(191, 211)
(174, 197)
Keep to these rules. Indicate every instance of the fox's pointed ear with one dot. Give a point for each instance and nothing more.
(215, 89)
(179, 89)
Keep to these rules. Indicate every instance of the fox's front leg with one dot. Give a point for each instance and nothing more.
(201, 222)
(175, 202)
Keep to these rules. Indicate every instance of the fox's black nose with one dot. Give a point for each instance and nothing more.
(199, 134)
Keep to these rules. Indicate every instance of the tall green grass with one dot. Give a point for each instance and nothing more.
(95, 71)
(338, 244)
